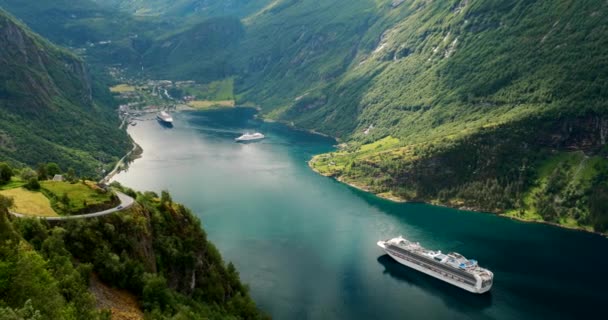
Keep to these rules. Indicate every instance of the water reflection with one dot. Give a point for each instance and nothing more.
(452, 296)
(249, 141)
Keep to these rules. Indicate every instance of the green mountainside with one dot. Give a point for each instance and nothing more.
(468, 103)
(63, 21)
(463, 103)
(155, 250)
(104, 36)
(52, 109)
(295, 49)
(186, 8)
(497, 106)
(212, 44)
(480, 100)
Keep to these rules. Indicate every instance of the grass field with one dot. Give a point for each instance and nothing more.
(206, 104)
(220, 90)
(15, 182)
(122, 88)
(30, 203)
(77, 193)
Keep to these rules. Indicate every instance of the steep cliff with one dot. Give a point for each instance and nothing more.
(49, 111)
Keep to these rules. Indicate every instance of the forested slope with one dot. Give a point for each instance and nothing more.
(483, 104)
(204, 52)
(492, 105)
(186, 8)
(156, 250)
(50, 106)
(470, 103)
(478, 104)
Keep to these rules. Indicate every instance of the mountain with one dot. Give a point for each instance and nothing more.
(295, 48)
(478, 104)
(186, 8)
(493, 106)
(52, 108)
(490, 105)
(204, 52)
(100, 34)
(70, 23)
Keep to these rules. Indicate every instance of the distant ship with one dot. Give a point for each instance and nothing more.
(250, 137)
(164, 116)
(452, 268)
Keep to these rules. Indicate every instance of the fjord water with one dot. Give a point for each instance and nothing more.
(306, 244)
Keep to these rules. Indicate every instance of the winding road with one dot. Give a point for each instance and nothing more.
(125, 203)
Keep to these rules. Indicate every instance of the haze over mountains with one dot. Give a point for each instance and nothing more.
(460, 96)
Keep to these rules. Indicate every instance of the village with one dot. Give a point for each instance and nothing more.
(141, 99)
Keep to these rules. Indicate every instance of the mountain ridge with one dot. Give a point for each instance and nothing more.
(406, 84)
(403, 82)
(50, 108)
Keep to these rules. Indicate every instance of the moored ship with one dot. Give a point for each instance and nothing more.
(452, 267)
(164, 116)
(250, 137)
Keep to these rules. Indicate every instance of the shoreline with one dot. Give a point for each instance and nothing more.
(384, 196)
(397, 199)
(293, 127)
(118, 167)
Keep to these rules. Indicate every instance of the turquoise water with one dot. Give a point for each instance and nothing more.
(306, 244)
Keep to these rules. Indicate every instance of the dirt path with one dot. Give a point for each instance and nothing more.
(122, 304)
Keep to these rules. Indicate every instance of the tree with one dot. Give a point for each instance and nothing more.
(28, 312)
(65, 200)
(31, 280)
(52, 169)
(32, 184)
(42, 173)
(5, 202)
(165, 197)
(27, 174)
(598, 208)
(70, 174)
(6, 172)
(155, 293)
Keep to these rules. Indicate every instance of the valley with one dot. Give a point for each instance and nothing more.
(150, 95)
(306, 244)
(409, 86)
(463, 105)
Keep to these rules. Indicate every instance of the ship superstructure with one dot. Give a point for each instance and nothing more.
(164, 117)
(250, 137)
(451, 267)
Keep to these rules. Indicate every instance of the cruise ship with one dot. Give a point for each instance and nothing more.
(250, 137)
(452, 267)
(164, 117)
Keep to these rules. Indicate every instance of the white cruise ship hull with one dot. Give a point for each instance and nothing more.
(248, 139)
(165, 120)
(445, 278)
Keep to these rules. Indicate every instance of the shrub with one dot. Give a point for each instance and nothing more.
(32, 184)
